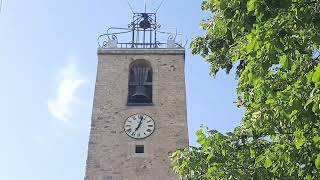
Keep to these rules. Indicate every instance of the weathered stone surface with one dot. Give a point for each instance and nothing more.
(111, 153)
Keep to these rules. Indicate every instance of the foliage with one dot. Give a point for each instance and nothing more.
(273, 46)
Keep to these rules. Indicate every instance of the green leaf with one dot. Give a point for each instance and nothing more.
(315, 107)
(212, 169)
(250, 5)
(318, 162)
(224, 152)
(201, 137)
(267, 163)
(250, 46)
(259, 159)
(293, 115)
(252, 153)
(300, 172)
(284, 61)
(309, 177)
(309, 101)
(299, 139)
(294, 112)
(316, 75)
(316, 139)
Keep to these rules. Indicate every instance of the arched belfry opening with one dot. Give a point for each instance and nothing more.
(140, 83)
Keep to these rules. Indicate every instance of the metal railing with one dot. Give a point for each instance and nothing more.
(136, 45)
(110, 40)
(139, 45)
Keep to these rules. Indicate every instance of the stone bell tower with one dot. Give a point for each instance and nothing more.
(139, 109)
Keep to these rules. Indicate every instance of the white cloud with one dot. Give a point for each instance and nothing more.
(69, 81)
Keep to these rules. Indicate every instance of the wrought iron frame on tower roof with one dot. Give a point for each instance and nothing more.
(144, 23)
(144, 30)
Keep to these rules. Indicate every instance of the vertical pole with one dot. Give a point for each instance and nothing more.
(151, 38)
(133, 27)
(155, 31)
(145, 6)
(144, 38)
(144, 30)
(0, 6)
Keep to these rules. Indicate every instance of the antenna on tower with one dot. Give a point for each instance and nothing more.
(0, 6)
(145, 6)
(159, 6)
(128, 4)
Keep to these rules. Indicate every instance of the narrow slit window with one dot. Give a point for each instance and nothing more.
(139, 149)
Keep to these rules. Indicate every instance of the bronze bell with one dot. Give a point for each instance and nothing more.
(140, 94)
(145, 23)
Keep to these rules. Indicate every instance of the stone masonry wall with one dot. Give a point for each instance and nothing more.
(111, 153)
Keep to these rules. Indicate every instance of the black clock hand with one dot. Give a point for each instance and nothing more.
(139, 123)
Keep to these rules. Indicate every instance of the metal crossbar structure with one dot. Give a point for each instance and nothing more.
(145, 25)
(144, 30)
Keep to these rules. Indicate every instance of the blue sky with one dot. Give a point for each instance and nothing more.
(47, 71)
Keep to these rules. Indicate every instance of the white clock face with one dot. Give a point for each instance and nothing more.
(139, 126)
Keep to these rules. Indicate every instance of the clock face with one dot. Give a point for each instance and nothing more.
(139, 126)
